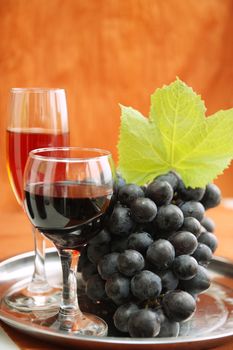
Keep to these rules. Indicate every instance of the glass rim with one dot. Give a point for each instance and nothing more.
(35, 89)
(35, 154)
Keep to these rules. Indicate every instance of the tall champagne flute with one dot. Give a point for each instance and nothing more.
(67, 192)
(37, 118)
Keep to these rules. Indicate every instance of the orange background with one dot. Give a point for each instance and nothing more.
(106, 52)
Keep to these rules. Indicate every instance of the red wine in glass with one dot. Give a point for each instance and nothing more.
(77, 211)
(19, 143)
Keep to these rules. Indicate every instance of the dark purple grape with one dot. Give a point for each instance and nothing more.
(117, 288)
(190, 194)
(95, 288)
(185, 267)
(120, 222)
(184, 242)
(95, 252)
(103, 237)
(129, 193)
(144, 324)
(191, 225)
(169, 218)
(161, 254)
(140, 241)
(197, 284)
(122, 315)
(209, 239)
(212, 196)
(208, 224)
(178, 305)
(193, 209)
(88, 270)
(119, 244)
(160, 192)
(130, 262)
(143, 210)
(169, 280)
(146, 285)
(171, 177)
(202, 254)
(107, 265)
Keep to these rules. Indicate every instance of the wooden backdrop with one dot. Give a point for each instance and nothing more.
(106, 52)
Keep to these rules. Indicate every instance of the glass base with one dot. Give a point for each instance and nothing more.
(81, 324)
(24, 299)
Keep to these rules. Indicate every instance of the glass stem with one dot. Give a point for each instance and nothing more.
(39, 283)
(69, 308)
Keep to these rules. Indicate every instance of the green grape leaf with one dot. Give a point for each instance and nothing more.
(176, 136)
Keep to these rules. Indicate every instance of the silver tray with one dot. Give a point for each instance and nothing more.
(211, 325)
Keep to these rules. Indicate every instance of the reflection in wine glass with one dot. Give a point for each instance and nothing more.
(37, 118)
(67, 192)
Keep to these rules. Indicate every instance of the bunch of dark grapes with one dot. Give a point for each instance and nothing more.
(151, 256)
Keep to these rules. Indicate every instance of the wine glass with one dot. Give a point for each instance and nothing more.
(67, 192)
(37, 118)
